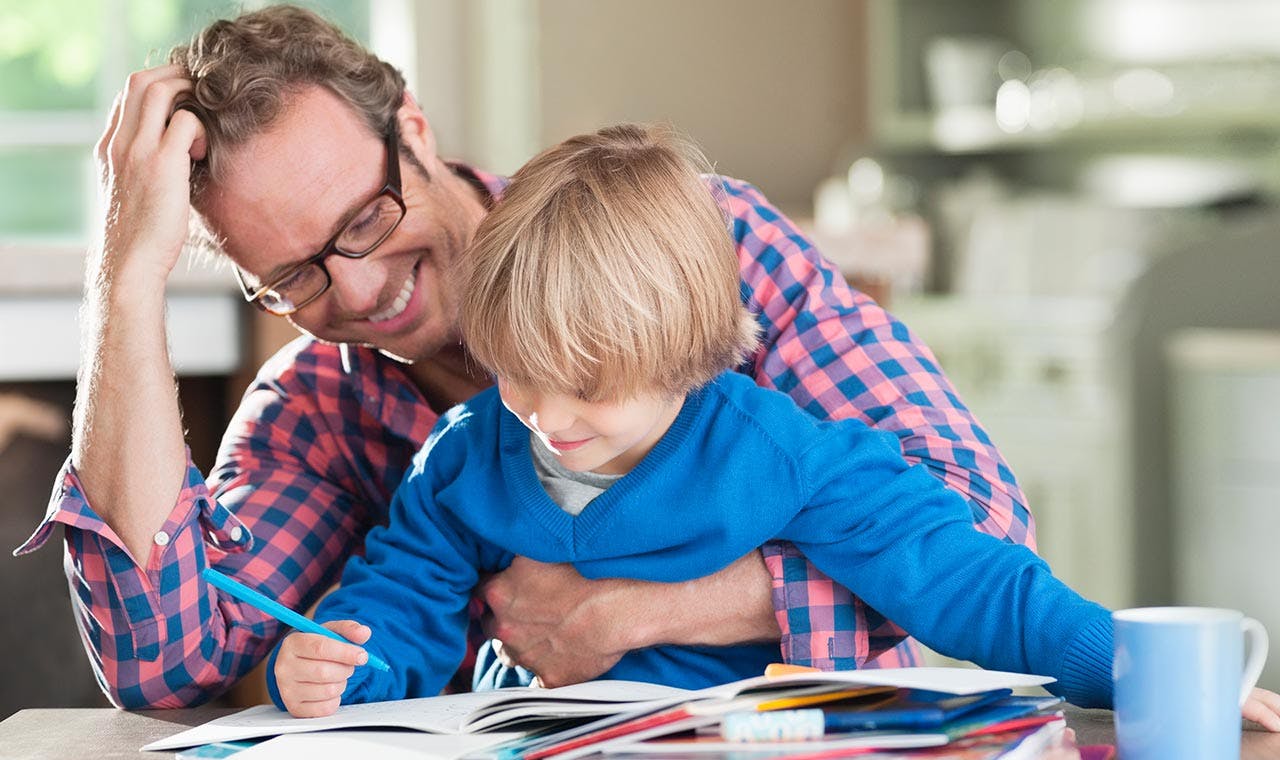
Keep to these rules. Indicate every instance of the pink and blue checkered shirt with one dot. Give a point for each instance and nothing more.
(325, 433)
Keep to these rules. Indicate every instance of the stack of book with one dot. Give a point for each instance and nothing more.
(898, 713)
(916, 713)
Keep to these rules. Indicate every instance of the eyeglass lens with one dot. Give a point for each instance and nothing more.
(359, 237)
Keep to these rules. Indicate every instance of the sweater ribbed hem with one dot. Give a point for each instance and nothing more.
(1086, 665)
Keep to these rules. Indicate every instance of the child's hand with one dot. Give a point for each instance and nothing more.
(1263, 707)
(312, 670)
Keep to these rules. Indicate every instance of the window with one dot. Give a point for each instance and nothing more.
(61, 64)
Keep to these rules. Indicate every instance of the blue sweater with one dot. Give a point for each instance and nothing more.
(740, 465)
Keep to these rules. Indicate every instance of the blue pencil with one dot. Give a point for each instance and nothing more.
(279, 611)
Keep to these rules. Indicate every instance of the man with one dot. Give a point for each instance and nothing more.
(320, 177)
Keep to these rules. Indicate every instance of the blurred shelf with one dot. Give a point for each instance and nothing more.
(57, 267)
(976, 132)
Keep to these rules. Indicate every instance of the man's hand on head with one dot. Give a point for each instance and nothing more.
(554, 622)
(144, 165)
(128, 402)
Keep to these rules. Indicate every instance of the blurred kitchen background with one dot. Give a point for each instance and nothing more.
(1072, 201)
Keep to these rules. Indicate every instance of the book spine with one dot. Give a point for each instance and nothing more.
(773, 726)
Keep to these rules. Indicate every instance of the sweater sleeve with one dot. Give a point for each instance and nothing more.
(905, 543)
(413, 584)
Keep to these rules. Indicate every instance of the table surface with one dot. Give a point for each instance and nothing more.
(107, 734)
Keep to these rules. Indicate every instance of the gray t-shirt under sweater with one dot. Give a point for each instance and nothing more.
(572, 491)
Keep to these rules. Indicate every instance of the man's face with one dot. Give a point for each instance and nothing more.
(287, 191)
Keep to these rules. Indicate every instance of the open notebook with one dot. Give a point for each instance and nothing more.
(521, 710)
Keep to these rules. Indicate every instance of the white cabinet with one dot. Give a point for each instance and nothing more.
(40, 294)
(1036, 374)
(1226, 473)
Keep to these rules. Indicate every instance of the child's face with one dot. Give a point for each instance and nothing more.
(605, 437)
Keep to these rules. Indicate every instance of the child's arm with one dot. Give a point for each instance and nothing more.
(900, 540)
(311, 671)
(413, 583)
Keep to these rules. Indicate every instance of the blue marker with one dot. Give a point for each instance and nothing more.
(280, 612)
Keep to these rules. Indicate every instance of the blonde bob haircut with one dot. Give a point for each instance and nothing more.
(607, 272)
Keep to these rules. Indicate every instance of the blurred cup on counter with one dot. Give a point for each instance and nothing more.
(963, 72)
(880, 248)
(1181, 677)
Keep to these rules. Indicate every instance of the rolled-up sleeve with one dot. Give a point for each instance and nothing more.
(127, 608)
(279, 513)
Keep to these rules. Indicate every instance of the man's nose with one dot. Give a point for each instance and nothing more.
(356, 284)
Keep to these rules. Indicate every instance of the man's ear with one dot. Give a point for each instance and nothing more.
(415, 131)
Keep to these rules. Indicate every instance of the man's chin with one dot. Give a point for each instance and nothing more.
(392, 355)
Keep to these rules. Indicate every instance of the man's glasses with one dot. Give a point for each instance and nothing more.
(307, 280)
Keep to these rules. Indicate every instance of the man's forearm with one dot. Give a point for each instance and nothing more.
(127, 444)
(733, 606)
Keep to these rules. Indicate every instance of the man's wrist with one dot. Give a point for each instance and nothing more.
(628, 607)
(124, 291)
(660, 614)
(732, 606)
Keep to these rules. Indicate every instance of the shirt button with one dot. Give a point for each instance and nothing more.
(236, 533)
(162, 538)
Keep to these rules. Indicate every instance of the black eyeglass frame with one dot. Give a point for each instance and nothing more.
(390, 188)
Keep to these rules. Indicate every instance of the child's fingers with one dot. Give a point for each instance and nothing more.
(351, 630)
(302, 691)
(320, 671)
(313, 646)
(295, 666)
(317, 709)
(1263, 707)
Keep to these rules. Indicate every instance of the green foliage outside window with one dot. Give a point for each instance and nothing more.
(64, 60)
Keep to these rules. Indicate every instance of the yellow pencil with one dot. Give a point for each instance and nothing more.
(782, 669)
(788, 703)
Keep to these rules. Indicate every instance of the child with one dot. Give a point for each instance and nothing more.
(602, 293)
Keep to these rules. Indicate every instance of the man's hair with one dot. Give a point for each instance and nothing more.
(245, 68)
(607, 271)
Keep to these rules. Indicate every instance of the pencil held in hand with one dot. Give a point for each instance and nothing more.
(279, 611)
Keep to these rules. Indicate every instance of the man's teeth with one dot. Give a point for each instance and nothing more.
(397, 306)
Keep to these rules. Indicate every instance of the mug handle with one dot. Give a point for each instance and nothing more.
(1257, 636)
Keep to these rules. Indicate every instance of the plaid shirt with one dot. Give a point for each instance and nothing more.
(325, 433)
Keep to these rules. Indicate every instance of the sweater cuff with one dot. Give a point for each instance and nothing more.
(1086, 665)
(273, 689)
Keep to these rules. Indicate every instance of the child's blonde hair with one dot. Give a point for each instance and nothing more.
(606, 271)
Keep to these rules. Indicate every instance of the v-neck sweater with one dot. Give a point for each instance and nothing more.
(740, 465)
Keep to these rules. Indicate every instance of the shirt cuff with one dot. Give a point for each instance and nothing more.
(815, 615)
(69, 506)
(109, 584)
